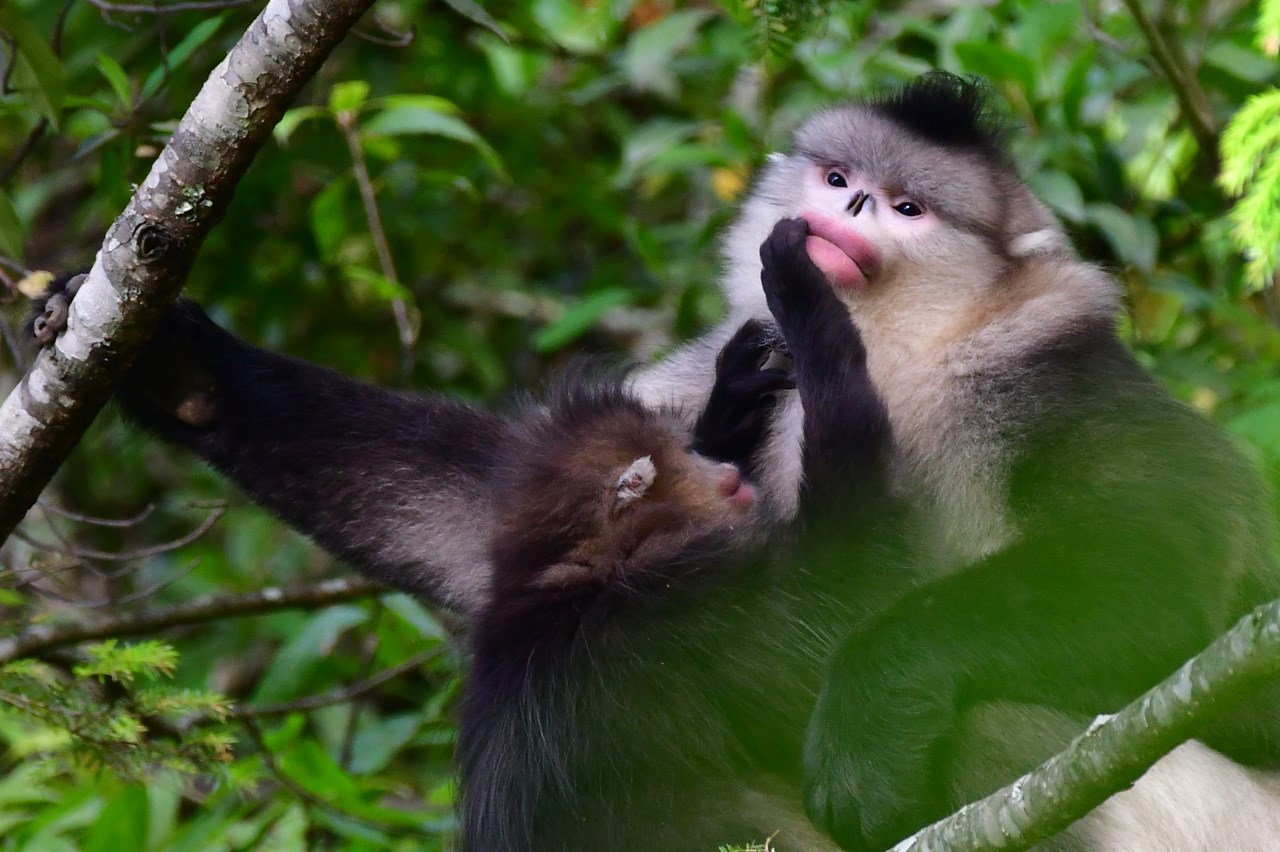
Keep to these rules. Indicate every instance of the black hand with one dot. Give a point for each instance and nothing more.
(49, 317)
(795, 289)
(732, 425)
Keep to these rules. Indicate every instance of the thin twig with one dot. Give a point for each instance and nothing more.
(347, 124)
(11, 47)
(1098, 34)
(339, 696)
(145, 592)
(59, 27)
(42, 637)
(24, 150)
(169, 9)
(388, 37)
(119, 523)
(78, 552)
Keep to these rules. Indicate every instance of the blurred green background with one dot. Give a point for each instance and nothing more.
(551, 177)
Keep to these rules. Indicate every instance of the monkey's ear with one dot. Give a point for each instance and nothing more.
(635, 481)
(1032, 228)
(1041, 241)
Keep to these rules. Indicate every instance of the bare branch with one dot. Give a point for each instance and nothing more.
(120, 523)
(68, 549)
(1191, 95)
(339, 696)
(1114, 752)
(347, 124)
(44, 637)
(150, 247)
(168, 9)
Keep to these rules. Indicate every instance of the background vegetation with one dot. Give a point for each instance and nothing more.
(549, 176)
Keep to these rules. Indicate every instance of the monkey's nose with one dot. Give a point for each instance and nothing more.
(856, 203)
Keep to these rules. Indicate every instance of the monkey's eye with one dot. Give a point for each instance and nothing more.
(909, 209)
(837, 180)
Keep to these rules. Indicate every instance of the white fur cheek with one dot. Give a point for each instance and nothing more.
(1193, 800)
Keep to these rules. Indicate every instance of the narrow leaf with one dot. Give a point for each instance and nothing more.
(181, 52)
(36, 57)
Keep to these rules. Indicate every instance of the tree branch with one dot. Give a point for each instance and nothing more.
(339, 696)
(1114, 752)
(44, 637)
(150, 247)
(1191, 95)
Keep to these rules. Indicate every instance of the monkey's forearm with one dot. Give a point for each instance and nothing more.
(846, 424)
(395, 484)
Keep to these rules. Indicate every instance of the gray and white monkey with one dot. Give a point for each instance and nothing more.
(1075, 532)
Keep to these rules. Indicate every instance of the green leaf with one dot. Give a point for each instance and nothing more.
(416, 615)
(514, 69)
(375, 744)
(122, 824)
(576, 26)
(12, 233)
(328, 219)
(579, 318)
(997, 62)
(309, 765)
(1240, 62)
(181, 52)
(284, 677)
(1060, 191)
(348, 96)
(418, 117)
(290, 120)
(377, 285)
(651, 51)
(1134, 239)
(433, 103)
(472, 11)
(1260, 427)
(116, 78)
(38, 62)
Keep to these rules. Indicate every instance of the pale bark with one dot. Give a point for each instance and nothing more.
(150, 247)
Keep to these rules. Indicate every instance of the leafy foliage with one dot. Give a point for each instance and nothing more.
(64, 722)
(551, 176)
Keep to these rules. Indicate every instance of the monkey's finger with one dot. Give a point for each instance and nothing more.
(763, 382)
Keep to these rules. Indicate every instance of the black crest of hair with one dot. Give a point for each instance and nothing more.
(947, 110)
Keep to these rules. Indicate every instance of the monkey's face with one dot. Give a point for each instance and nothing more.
(860, 229)
(658, 503)
(913, 233)
(618, 499)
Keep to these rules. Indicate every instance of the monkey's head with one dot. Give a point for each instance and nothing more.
(606, 492)
(912, 203)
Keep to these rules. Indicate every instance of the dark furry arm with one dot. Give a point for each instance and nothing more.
(846, 425)
(395, 484)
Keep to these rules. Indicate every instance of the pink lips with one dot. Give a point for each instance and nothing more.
(843, 255)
